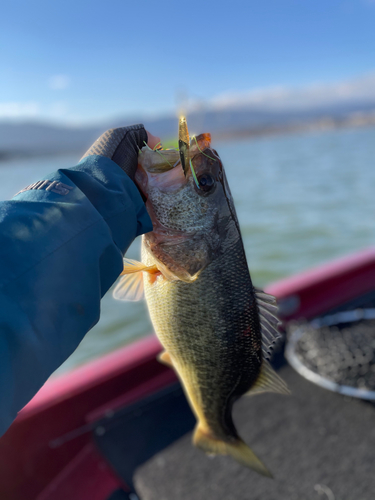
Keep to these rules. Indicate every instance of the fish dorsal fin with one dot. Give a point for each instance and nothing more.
(130, 286)
(269, 321)
(268, 381)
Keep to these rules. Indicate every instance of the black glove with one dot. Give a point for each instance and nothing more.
(121, 145)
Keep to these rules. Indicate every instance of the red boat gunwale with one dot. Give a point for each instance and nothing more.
(49, 446)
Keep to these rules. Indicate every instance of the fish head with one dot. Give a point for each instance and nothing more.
(193, 216)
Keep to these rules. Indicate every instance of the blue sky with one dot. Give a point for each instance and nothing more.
(80, 61)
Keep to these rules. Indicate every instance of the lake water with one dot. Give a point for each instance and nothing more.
(301, 199)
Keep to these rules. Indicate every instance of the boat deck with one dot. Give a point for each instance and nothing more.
(316, 443)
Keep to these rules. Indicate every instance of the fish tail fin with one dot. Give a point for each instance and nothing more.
(237, 449)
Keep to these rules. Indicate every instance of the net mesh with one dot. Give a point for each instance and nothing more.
(343, 353)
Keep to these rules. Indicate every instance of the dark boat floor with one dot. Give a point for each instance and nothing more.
(318, 445)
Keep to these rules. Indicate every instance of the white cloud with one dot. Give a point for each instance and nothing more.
(309, 96)
(59, 82)
(19, 109)
(56, 111)
(277, 98)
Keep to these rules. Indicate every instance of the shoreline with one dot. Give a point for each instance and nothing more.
(321, 125)
(325, 124)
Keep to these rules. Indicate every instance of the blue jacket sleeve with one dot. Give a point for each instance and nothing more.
(61, 247)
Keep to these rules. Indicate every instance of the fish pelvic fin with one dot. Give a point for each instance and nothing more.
(236, 449)
(268, 381)
(165, 358)
(130, 286)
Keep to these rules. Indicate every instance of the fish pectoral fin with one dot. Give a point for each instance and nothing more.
(236, 449)
(268, 381)
(130, 287)
(133, 266)
(165, 358)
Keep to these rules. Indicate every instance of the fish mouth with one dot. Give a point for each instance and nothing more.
(172, 179)
(164, 242)
(168, 181)
(163, 169)
(172, 200)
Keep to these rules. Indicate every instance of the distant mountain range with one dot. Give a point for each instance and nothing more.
(33, 138)
(228, 116)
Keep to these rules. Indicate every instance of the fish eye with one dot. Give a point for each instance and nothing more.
(206, 182)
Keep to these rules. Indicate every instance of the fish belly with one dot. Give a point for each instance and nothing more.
(210, 328)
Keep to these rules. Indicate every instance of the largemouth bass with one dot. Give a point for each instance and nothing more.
(216, 328)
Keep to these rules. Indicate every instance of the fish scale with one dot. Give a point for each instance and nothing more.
(215, 310)
(172, 213)
(215, 327)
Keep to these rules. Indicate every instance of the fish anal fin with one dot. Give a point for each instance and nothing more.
(165, 358)
(268, 381)
(236, 449)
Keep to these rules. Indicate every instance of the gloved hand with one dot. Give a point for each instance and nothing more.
(121, 145)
